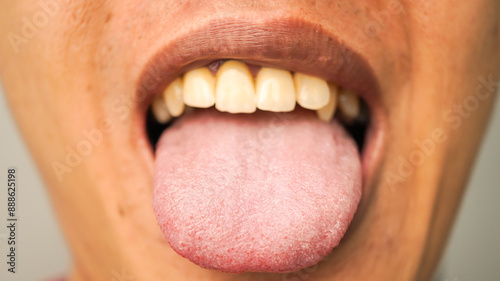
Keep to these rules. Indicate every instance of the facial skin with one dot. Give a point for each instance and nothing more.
(431, 58)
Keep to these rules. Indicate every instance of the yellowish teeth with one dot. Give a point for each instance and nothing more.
(326, 113)
(173, 98)
(160, 110)
(275, 90)
(199, 88)
(349, 105)
(235, 92)
(312, 92)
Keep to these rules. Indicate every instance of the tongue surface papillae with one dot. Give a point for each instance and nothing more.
(262, 192)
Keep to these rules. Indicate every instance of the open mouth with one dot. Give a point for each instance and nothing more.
(263, 145)
(242, 88)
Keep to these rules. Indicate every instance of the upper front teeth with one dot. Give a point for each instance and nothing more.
(275, 90)
(235, 90)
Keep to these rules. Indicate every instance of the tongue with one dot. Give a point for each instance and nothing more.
(264, 192)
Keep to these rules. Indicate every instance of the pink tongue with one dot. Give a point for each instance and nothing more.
(264, 192)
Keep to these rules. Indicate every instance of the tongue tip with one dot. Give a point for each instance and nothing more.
(275, 253)
(289, 260)
(263, 259)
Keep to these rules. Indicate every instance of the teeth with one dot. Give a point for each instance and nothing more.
(312, 92)
(275, 90)
(160, 110)
(349, 104)
(235, 91)
(173, 98)
(326, 113)
(199, 88)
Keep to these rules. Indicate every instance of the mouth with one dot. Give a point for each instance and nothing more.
(266, 139)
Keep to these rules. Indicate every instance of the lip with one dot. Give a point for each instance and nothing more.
(286, 43)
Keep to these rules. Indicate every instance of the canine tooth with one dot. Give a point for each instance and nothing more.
(312, 92)
(349, 104)
(235, 91)
(326, 113)
(275, 90)
(173, 98)
(199, 88)
(160, 110)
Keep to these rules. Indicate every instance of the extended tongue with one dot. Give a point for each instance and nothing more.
(264, 192)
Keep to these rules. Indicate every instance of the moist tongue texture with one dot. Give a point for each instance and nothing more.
(264, 192)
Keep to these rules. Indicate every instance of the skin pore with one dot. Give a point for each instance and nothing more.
(437, 65)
